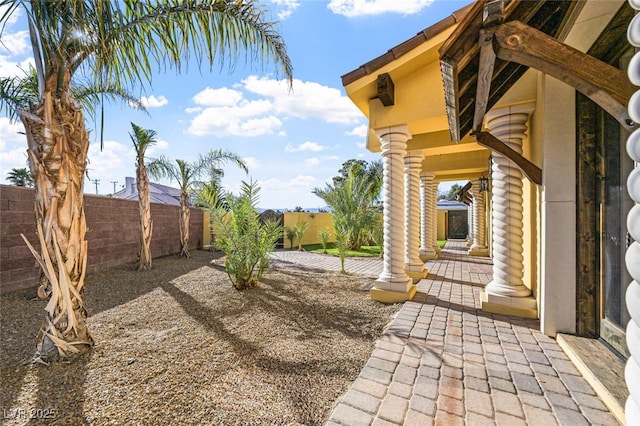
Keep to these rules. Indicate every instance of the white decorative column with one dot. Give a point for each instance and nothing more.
(479, 246)
(414, 267)
(393, 285)
(632, 259)
(507, 293)
(433, 190)
(426, 236)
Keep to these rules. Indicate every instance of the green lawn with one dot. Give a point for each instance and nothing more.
(365, 251)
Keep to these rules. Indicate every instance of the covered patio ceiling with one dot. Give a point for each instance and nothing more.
(492, 48)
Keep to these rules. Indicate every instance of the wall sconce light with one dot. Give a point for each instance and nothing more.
(484, 184)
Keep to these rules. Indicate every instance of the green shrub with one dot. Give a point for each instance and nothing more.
(323, 236)
(291, 235)
(245, 241)
(299, 230)
(343, 238)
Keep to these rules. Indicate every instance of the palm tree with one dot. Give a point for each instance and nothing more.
(117, 43)
(187, 176)
(20, 177)
(353, 201)
(143, 139)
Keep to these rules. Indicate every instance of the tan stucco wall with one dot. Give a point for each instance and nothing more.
(316, 221)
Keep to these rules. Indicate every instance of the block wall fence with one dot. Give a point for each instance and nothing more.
(113, 230)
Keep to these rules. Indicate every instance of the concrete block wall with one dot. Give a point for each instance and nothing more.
(113, 231)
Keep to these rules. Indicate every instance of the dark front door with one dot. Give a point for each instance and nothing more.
(602, 237)
(457, 226)
(603, 203)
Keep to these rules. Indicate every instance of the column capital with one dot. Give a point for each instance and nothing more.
(524, 108)
(427, 176)
(413, 160)
(400, 132)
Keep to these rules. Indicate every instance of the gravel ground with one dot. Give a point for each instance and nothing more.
(178, 345)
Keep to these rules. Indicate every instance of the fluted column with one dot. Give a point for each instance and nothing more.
(414, 267)
(507, 293)
(479, 246)
(433, 190)
(632, 258)
(426, 236)
(393, 284)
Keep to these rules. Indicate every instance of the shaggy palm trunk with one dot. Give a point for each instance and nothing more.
(146, 224)
(57, 148)
(184, 224)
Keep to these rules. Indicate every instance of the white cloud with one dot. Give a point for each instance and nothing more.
(114, 155)
(160, 145)
(13, 159)
(306, 146)
(218, 97)
(192, 110)
(11, 133)
(307, 99)
(245, 119)
(285, 7)
(15, 43)
(313, 161)
(10, 68)
(302, 181)
(153, 102)
(252, 163)
(260, 126)
(360, 131)
(361, 144)
(353, 8)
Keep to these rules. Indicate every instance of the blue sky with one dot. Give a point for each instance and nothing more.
(291, 141)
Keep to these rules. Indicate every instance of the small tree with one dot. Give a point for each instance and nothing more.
(291, 235)
(343, 237)
(323, 236)
(300, 229)
(245, 241)
(187, 174)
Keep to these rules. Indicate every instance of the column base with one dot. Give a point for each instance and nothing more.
(428, 255)
(389, 296)
(416, 276)
(524, 307)
(479, 251)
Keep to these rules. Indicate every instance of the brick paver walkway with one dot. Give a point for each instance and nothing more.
(443, 361)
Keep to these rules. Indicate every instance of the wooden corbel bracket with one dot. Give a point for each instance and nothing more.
(530, 170)
(604, 84)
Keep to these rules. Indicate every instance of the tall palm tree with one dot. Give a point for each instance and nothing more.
(20, 177)
(111, 42)
(188, 175)
(143, 139)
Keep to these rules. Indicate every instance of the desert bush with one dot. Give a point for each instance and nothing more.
(244, 240)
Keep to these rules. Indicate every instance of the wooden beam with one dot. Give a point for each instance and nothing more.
(530, 170)
(604, 84)
(485, 75)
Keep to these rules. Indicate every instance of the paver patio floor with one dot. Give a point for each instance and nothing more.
(443, 361)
